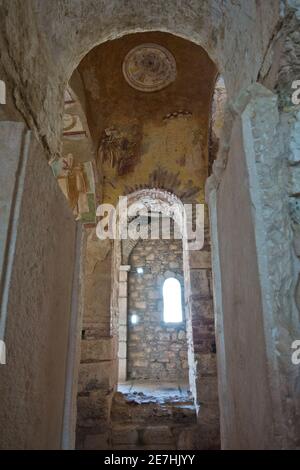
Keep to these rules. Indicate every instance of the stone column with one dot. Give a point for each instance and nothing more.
(218, 310)
(203, 360)
(122, 354)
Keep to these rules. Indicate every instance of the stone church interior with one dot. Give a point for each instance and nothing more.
(144, 343)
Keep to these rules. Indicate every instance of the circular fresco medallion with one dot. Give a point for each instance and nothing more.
(149, 67)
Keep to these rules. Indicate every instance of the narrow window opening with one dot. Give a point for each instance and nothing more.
(2, 92)
(134, 319)
(172, 301)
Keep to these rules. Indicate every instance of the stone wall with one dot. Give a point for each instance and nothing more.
(242, 297)
(156, 350)
(39, 62)
(36, 301)
(281, 78)
(254, 300)
(98, 365)
(201, 333)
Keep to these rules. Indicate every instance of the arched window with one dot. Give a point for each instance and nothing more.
(2, 92)
(172, 301)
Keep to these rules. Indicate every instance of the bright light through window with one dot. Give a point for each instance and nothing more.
(172, 301)
(134, 319)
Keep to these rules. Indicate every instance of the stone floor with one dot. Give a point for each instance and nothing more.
(147, 415)
(158, 390)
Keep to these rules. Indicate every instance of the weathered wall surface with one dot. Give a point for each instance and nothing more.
(98, 364)
(289, 72)
(156, 350)
(32, 383)
(38, 58)
(201, 330)
(271, 147)
(97, 283)
(242, 310)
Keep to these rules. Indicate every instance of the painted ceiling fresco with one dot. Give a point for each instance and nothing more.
(149, 67)
(156, 136)
(139, 119)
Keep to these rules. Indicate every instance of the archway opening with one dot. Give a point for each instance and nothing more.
(151, 133)
(154, 354)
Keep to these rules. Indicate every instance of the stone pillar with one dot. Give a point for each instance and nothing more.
(267, 186)
(204, 349)
(218, 313)
(253, 267)
(122, 354)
